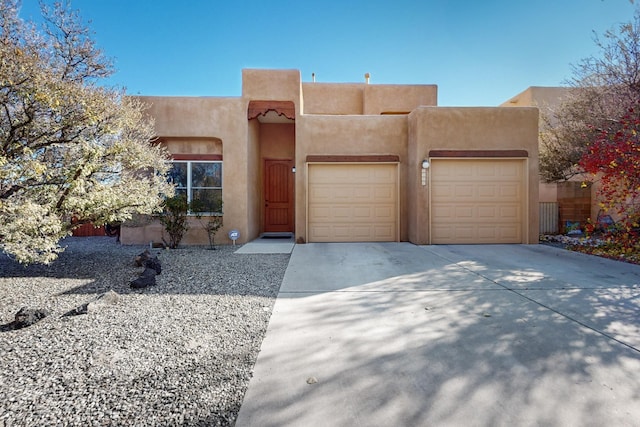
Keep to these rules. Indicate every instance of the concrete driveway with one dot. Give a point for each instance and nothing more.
(393, 334)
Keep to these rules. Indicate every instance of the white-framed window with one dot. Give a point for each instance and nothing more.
(201, 182)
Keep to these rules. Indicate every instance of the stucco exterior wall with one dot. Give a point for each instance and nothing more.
(252, 188)
(193, 145)
(548, 192)
(348, 136)
(469, 128)
(277, 140)
(270, 85)
(393, 99)
(341, 119)
(538, 96)
(417, 196)
(333, 98)
(361, 98)
(202, 124)
(196, 117)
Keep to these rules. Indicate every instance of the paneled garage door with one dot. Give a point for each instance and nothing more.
(477, 201)
(352, 202)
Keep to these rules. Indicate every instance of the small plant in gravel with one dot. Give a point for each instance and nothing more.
(213, 223)
(174, 218)
(211, 226)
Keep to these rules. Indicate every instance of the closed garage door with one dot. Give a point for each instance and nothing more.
(477, 201)
(352, 202)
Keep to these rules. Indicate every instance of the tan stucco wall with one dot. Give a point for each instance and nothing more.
(380, 99)
(153, 232)
(333, 98)
(207, 117)
(141, 234)
(203, 146)
(348, 135)
(271, 85)
(548, 192)
(277, 140)
(352, 123)
(191, 125)
(538, 96)
(252, 189)
(361, 98)
(209, 123)
(472, 128)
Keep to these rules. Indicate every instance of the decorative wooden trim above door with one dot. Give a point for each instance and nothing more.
(261, 108)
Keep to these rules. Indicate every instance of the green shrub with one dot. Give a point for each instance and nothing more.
(174, 218)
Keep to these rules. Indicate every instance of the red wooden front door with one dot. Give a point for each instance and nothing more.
(278, 196)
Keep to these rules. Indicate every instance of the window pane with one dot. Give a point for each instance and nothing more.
(178, 174)
(206, 174)
(206, 200)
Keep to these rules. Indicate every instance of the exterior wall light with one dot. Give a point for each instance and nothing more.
(425, 166)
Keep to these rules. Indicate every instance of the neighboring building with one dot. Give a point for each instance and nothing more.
(342, 162)
(574, 202)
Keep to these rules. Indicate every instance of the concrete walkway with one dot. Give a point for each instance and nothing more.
(394, 334)
(268, 245)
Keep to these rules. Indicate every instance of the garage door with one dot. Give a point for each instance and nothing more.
(352, 202)
(477, 201)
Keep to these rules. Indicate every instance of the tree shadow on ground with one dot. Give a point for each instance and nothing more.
(477, 341)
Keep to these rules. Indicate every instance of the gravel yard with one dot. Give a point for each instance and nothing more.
(179, 353)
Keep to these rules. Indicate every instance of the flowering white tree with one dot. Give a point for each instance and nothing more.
(71, 151)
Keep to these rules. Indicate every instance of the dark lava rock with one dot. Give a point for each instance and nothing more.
(153, 263)
(28, 316)
(147, 278)
(81, 309)
(142, 257)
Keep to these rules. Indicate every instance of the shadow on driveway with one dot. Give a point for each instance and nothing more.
(396, 334)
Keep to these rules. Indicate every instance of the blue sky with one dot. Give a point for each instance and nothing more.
(478, 52)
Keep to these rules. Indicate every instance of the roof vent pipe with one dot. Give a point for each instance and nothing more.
(313, 77)
(366, 78)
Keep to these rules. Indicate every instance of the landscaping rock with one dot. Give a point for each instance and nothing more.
(147, 278)
(142, 257)
(109, 297)
(81, 309)
(181, 355)
(153, 263)
(152, 267)
(28, 316)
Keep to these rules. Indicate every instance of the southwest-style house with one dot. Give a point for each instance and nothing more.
(351, 162)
